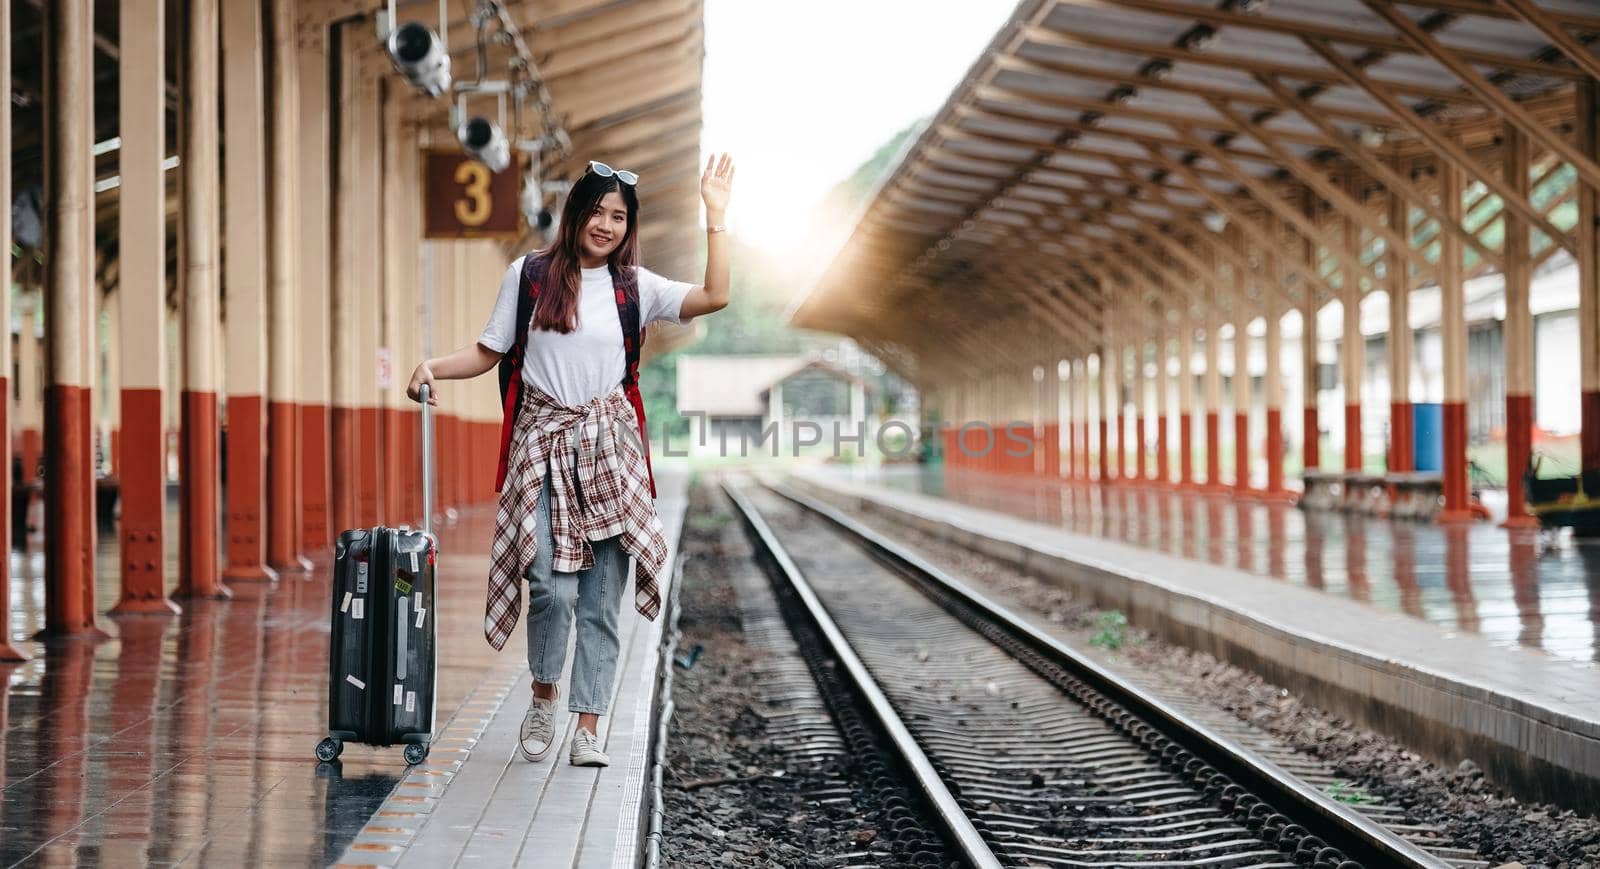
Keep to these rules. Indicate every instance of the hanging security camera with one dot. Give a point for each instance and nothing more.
(419, 55)
(548, 221)
(484, 141)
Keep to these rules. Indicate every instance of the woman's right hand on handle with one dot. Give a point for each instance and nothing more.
(423, 375)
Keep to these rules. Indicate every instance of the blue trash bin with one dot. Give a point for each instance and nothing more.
(1428, 436)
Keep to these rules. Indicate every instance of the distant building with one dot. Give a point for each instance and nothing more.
(734, 400)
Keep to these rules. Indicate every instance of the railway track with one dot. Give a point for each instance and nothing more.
(1023, 752)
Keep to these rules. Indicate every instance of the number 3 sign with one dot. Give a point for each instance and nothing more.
(463, 199)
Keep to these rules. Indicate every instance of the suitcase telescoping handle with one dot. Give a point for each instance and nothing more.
(427, 461)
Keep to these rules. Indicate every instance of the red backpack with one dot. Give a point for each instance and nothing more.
(534, 269)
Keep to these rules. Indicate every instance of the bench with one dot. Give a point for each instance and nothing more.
(1407, 495)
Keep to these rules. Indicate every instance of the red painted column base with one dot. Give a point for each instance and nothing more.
(1241, 455)
(197, 500)
(1456, 494)
(246, 499)
(1402, 437)
(1141, 466)
(370, 453)
(144, 501)
(1312, 437)
(1050, 442)
(1163, 460)
(69, 540)
(316, 534)
(1589, 436)
(1122, 447)
(32, 451)
(283, 487)
(1185, 451)
(345, 470)
(1105, 452)
(1275, 490)
(1352, 437)
(1519, 448)
(1214, 454)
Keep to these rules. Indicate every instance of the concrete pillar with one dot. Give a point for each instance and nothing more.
(1163, 389)
(1067, 396)
(1402, 444)
(312, 314)
(1085, 400)
(366, 160)
(1352, 349)
(108, 428)
(197, 526)
(1241, 372)
(1312, 448)
(245, 223)
(1518, 334)
(1213, 395)
(1272, 392)
(1308, 354)
(69, 292)
(8, 652)
(1588, 140)
(1119, 387)
(283, 488)
(1453, 337)
(1186, 402)
(1141, 403)
(142, 306)
(30, 386)
(393, 412)
(347, 310)
(1241, 396)
(1106, 387)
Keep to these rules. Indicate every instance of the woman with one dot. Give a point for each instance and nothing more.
(576, 492)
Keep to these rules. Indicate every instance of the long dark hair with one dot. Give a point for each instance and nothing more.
(558, 298)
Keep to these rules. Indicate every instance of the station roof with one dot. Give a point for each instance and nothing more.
(1123, 164)
(623, 80)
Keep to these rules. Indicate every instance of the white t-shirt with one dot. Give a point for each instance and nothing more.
(589, 361)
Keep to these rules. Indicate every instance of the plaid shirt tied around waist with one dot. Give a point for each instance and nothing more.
(615, 499)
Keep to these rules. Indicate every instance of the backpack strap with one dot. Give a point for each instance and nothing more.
(511, 362)
(627, 290)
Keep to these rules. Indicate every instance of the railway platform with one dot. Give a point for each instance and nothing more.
(1531, 719)
(188, 740)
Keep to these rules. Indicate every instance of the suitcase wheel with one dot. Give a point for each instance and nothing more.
(416, 753)
(328, 749)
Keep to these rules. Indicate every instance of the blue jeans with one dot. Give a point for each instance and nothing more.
(594, 595)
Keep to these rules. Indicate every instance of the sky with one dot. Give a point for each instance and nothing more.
(801, 93)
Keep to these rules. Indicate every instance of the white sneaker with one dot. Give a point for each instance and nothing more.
(538, 729)
(586, 750)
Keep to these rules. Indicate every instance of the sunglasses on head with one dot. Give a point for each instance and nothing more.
(629, 178)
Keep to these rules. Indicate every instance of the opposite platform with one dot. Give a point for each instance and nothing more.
(1532, 721)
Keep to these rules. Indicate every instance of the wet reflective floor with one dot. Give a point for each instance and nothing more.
(188, 738)
(1538, 591)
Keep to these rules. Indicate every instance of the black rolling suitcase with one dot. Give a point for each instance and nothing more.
(381, 653)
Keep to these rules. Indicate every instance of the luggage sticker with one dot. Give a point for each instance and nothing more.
(356, 682)
(414, 568)
(421, 614)
(411, 701)
(345, 606)
(358, 608)
(398, 692)
(402, 586)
